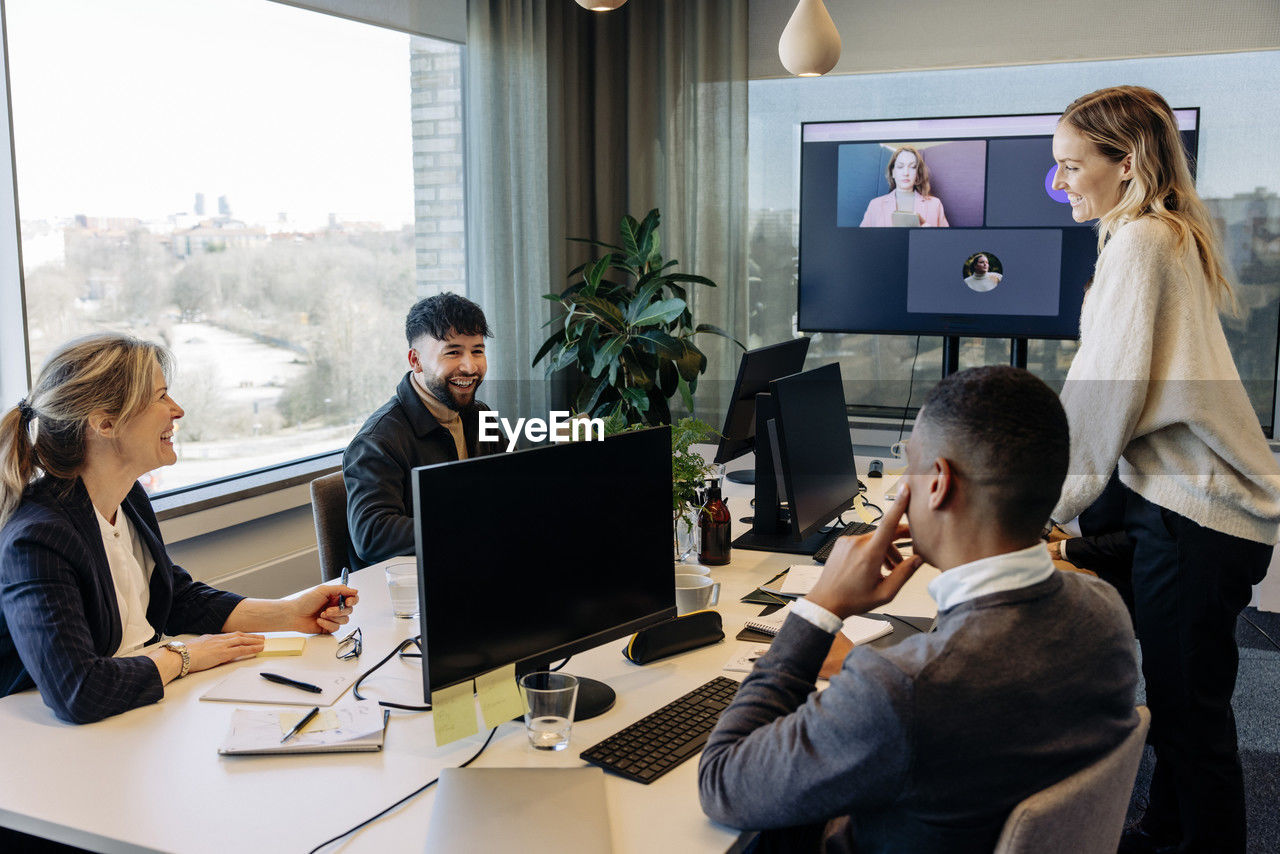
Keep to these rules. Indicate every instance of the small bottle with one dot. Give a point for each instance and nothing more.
(715, 524)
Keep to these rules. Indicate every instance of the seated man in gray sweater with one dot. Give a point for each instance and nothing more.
(926, 746)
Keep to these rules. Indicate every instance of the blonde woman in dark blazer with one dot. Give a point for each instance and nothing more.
(85, 580)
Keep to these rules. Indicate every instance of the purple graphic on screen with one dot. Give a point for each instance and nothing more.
(1059, 196)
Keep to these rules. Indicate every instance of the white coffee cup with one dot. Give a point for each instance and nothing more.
(695, 593)
(692, 569)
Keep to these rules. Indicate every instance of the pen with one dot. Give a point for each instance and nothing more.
(297, 728)
(294, 683)
(342, 600)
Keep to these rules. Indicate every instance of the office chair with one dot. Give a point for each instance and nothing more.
(329, 509)
(1083, 814)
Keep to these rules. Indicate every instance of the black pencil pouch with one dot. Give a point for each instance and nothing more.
(700, 628)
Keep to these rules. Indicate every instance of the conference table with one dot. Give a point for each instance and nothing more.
(152, 780)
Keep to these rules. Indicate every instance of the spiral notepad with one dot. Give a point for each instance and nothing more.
(857, 629)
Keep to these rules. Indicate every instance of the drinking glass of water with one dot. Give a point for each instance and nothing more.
(549, 702)
(402, 584)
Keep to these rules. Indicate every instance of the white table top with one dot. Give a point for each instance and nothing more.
(151, 779)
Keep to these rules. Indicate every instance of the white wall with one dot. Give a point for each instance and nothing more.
(917, 34)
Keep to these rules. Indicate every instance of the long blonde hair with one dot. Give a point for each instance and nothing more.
(107, 372)
(1135, 121)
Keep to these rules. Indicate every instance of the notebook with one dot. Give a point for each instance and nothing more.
(246, 685)
(358, 727)
(857, 629)
(531, 810)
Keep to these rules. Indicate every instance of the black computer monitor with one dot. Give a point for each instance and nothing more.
(757, 369)
(805, 476)
(532, 556)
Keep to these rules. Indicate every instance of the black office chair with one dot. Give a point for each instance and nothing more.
(329, 509)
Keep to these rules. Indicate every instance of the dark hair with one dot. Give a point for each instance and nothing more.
(437, 315)
(1006, 434)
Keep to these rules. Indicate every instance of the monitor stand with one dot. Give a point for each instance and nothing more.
(594, 698)
(747, 476)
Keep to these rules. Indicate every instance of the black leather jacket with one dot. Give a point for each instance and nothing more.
(397, 438)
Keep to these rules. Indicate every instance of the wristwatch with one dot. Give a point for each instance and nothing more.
(181, 649)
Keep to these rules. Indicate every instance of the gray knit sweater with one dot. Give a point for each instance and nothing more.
(927, 745)
(1154, 389)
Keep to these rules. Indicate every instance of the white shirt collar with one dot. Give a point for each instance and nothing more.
(996, 574)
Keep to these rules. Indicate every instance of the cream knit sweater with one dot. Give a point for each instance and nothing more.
(1154, 389)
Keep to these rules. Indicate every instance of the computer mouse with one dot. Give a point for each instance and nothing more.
(876, 469)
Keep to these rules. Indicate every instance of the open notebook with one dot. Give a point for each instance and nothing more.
(356, 727)
(856, 629)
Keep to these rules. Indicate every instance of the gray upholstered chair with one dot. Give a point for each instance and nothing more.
(329, 509)
(1083, 814)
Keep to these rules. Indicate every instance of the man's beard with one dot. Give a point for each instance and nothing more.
(439, 388)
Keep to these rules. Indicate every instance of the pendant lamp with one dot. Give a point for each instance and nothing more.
(810, 45)
(601, 5)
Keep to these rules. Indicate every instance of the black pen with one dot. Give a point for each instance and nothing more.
(293, 683)
(297, 728)
(342, 600)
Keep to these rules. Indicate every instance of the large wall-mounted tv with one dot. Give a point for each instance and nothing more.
(991, 252)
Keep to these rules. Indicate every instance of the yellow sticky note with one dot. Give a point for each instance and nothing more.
(283, 646)
(453, 713)
(499, 697)
(864, 512)
(326, 720)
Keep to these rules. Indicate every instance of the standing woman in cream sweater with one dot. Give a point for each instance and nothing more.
(1154, 395)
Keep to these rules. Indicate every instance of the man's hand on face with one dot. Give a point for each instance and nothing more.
(852, 581)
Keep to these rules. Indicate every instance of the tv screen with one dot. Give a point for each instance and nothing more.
(990, 250)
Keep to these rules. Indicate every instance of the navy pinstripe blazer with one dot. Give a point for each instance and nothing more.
(59, 619)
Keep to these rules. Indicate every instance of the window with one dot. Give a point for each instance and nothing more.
(1238, 175)
(264, 189)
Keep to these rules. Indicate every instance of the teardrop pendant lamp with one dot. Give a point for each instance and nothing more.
(810, 44)
(601, 5)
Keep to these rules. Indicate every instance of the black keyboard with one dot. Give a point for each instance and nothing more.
(660, 741)
(853, 529)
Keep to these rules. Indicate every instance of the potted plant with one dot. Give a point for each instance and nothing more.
(632, 339)
(689, 473)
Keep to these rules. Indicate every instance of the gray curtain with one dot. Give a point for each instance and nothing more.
(509, 231)
(576, 118)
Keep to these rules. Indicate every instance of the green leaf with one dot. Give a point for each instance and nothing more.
(716, 330)
(589, 395)
(642, 299)
(691, 362)
(636, 398)
(591, 242)
(630, 243)
(596, 272)
(686, 394)
(663, 311)
(662, 343)
(640, 377)
(604, 311)
(552, 297)
(608, 354)
(689, 277)
(567, 356)
(557, 338)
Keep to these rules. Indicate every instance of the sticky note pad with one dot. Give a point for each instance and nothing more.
(453, 713)
(326, 720)
(864, 512)
(283, 646)
(499, 697)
